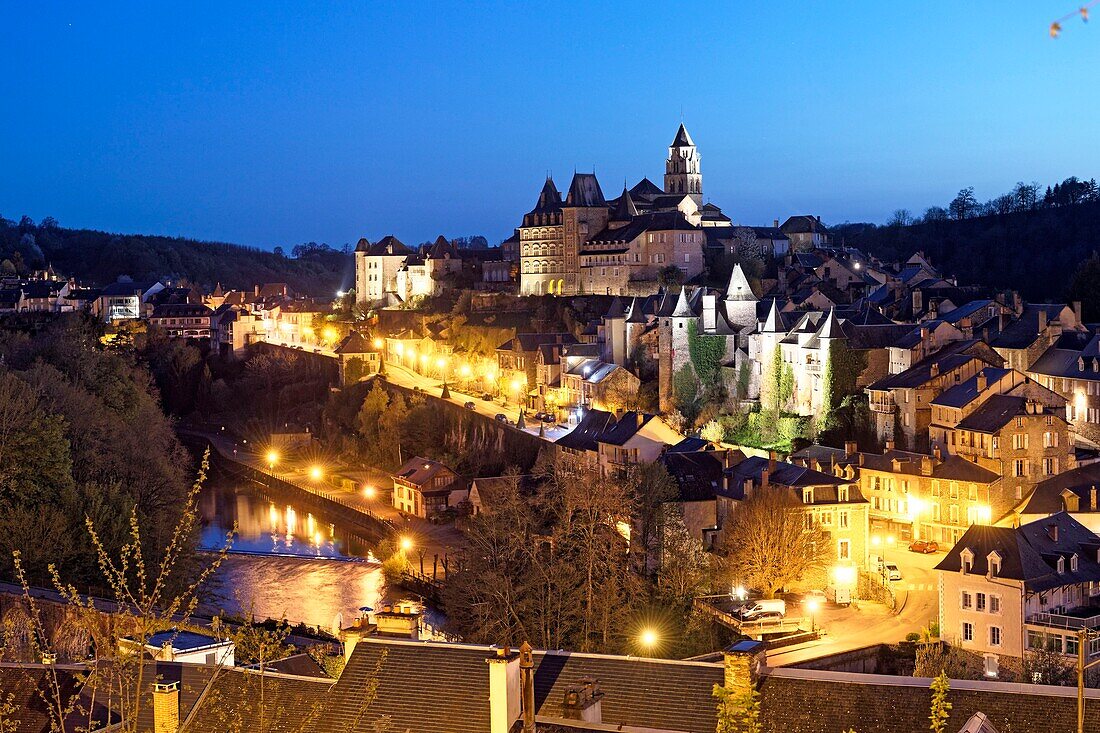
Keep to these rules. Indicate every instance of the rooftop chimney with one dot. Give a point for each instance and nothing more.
(934, 369)
(937, 454)
(166, 707)
(582, 702)
(890, 445)
(505, 698)
(983, 382)
(775, 223)
(850, 448)
(771, 461)
(527, 686)
(1052, 532)
(926, 466)
(1092, 499)
(1042, 319)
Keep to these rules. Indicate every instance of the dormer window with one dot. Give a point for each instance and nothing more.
(808, 496)
(1061, 565)
(994, 561)
(1073, 563)
(967, 558)
(843, 491)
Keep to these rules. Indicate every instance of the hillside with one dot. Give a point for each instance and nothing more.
(1036, 252)
(101, 257)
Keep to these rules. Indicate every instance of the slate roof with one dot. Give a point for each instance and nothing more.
(183, 641)
(389, 246)
(949, 468)
(690, 445)
(355, 343)
(442, 248)
(419, 471)
(585, 190)
(626, 428)
(299, 665)
(1046, 498)
(1063, 359)
(994, 414)
(27, 683)
(639, 225)
(1030, 552)
(794, 477)
(950, 357)
(965, 392)
(646, 189)
(118, 289)
(682, 139)
(583, 437)
(181, 310)
(966, 310)
(451, 685)
(1023, 332)
(625, 210)
(529, 342)
(698, 474)
(803, 224)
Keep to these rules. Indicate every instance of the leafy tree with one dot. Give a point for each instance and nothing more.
(738, 708)
(686, 567)
(1086, 288)
(670, 276)
(774, 549)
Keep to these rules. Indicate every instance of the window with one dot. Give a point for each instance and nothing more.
(994, 636)
(994, 604)
(808, 496)
(826, 519)
(979, 604)
(954, 490)
(972, 492)
(996, 443)
(1019, 468)
(1019, 440)
(967, 600)
(968, 631)
(954, 514)
(1071, 646)
(1050, 439)
(1073, 563)
(843, 520)
(935, 488)
(844, 550)
(843, 491)
(1050, 466)
(935, 511)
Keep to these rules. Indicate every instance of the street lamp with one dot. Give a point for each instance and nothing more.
(648, 639)
(369, 492)
(272, 457)
(406, 544)
(316, 473)
(378, 343)
(812, 606)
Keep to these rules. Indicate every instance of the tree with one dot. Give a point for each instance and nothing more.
(670, 276)
(774, 549)
(964, 205)
(685, 566)
(941, 708)
(1026, 196)
(650, 486)
(900, 218)
(1086, 288)
(738, 708)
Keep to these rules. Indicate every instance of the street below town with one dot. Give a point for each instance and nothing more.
(865, 623)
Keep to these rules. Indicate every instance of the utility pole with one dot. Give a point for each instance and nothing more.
(1082, 642)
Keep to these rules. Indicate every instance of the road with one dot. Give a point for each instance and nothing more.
(405, 377)
(865, 623)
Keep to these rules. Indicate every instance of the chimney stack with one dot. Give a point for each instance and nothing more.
(775, 223)
(1052, 532)
(851, 447)
(505, 694)
(765, 477)
(934, 369)
(771, 461)
(983, 382)
(166, 707)
(582, 702)
(937, 454)
(1092, 498)
(1042, 319)
(527, 686)
(890, 445)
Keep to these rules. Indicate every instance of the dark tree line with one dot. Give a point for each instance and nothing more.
(1030, 239)
(99, 257)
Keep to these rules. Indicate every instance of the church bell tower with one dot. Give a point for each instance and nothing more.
(682, 173)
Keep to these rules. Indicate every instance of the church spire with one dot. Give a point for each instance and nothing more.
(682, 172)
(739, 287)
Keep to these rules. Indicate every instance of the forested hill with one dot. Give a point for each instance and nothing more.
(100, 258)
(1036, 250)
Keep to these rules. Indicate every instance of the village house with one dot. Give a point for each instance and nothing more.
(517, 364)
(183, 320)
(376, 267)
(1006, 591)
(1071, 367)
(423, 487)
(126, 300)
(635, 438)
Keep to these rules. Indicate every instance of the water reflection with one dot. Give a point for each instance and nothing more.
(286, 562)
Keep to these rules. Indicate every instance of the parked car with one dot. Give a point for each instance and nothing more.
(817, 596)
(926, 547)
(501, 417)
(486, 397)
(469, 405)
(764, 608)
(892, 571)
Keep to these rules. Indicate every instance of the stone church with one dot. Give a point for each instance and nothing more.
(587, 244)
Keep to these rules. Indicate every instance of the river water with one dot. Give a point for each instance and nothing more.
(286, 562)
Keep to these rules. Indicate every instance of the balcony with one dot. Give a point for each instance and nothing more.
(887, 408)
(1081, 617)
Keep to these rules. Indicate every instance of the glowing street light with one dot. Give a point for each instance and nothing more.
(464, 370)
(378, 343)
(406, 544)
(812, 606)
(316, 473)
(272, 458)
(330, 334)
(369, 492)
(648, 639)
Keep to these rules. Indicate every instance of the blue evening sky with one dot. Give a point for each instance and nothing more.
(272, 123)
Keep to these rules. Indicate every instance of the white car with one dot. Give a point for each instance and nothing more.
(892, 571)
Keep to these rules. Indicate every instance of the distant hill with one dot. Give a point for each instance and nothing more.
(1036, 252)
(100, 258)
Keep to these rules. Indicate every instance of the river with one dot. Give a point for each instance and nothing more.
(285, 562)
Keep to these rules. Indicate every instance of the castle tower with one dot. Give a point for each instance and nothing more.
(673, 347)
(740, 300)
(614, 330)
(584, 214)
(682, 174)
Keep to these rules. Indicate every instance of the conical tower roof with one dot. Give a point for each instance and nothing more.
(634, 314)
(616, 309)
(683, 310)
(739, 287)
(683, 139)
(626, 210)
(830, 329)
(549, 198)
(774, 323)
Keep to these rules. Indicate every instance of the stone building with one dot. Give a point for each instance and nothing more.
(1071, 367)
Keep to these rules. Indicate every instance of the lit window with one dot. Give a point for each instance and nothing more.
(968, 631)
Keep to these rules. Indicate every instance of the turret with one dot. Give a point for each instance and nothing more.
(682, 172)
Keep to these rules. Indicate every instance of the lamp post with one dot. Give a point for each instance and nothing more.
(648, 639)
(272, 457)
(1082, 644)
(812, 605)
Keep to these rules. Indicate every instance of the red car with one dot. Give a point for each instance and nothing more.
(926, 547)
